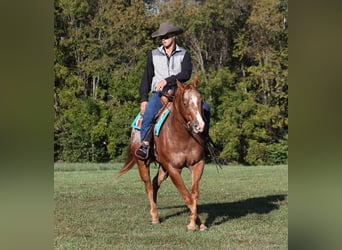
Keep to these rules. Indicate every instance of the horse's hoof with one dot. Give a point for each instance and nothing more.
(203, 228)
(155, 222)
(190, 229)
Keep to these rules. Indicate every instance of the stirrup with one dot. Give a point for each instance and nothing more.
(143, 151)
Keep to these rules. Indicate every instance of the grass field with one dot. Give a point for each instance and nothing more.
(243, 207)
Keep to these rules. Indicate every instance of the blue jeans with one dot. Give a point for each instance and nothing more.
(152, 109)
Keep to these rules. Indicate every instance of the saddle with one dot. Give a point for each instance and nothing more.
(160, 118)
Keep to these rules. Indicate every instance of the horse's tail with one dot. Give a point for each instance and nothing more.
(130, 161)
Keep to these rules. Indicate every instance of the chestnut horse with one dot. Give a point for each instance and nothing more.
(179, 144)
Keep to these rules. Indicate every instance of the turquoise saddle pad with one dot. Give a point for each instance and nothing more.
(136, 124)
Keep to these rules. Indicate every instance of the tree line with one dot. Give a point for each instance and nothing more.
(239, 50)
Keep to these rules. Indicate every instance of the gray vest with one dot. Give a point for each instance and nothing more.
(164, 67)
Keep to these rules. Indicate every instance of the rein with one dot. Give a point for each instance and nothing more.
(168, 96)
(186, 125)
(184, 122)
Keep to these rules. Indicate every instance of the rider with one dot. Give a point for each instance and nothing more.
(165, 65)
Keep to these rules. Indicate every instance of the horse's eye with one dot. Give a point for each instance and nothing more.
(186, 105)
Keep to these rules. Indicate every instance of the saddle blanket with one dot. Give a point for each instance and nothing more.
(136, 124)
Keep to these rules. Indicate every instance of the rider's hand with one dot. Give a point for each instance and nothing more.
(160, 85)
(143, 106)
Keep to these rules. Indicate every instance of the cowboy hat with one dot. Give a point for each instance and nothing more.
(167, 28)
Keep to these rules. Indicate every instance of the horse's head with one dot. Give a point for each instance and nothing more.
(190, 105)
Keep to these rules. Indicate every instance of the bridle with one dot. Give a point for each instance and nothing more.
(181, 110)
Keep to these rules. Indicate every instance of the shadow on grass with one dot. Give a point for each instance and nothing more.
(219, 213)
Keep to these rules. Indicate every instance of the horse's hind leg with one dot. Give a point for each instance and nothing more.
(144, 172)
(157, 181)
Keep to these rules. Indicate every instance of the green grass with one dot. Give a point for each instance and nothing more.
(243, 207)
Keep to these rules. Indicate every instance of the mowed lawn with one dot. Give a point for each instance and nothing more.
(243, 208)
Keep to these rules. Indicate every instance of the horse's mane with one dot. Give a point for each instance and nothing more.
(179, 95)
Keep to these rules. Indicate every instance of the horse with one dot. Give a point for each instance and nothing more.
(179, 144)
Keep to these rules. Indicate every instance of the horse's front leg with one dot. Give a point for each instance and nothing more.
(175, 175)
(144, 171)
(196, 174)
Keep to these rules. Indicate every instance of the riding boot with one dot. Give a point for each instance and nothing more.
(143, 151)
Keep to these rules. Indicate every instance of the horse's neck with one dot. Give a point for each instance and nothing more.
(177, 125)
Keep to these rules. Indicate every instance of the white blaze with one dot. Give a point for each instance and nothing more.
(198, 115)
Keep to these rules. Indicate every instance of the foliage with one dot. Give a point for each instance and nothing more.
(277, 153)
(239, 51)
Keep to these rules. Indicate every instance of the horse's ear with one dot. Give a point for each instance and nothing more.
(195, 82)
(180, 85)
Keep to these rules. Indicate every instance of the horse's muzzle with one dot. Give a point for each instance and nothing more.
(197, 127)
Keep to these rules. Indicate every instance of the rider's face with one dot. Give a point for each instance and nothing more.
(168, 40)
